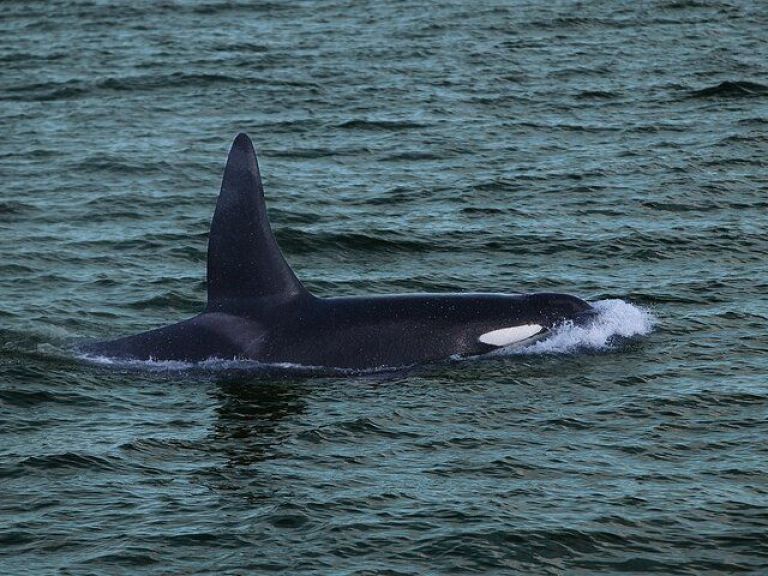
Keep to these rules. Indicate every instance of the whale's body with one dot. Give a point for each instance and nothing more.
(258, 309)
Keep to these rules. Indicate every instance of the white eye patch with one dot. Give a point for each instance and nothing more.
(507, 336)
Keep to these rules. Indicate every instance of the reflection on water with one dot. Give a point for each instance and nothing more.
(249, 415)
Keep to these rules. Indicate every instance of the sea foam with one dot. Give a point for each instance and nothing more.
(615, 319)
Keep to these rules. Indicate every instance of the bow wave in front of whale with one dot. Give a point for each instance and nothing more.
(259, 310)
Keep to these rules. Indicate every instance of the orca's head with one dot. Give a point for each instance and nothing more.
(553, 309)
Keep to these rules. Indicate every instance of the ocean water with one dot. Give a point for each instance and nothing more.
(613, 150)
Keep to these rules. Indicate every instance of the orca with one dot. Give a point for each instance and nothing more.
(259, 310)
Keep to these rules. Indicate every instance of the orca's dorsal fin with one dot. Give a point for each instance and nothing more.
(244, 260)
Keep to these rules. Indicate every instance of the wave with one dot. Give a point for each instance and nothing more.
(616, 321)
(370, 124)
(224, 365)
(80, 87)
(732, 89)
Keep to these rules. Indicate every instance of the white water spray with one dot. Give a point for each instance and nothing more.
(615, 318)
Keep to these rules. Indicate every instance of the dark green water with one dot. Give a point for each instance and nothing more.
(405, 146)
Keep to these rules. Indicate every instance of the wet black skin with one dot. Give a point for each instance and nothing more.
(355, 332)
(257, 308)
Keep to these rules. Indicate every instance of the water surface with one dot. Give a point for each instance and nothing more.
(612, 150)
